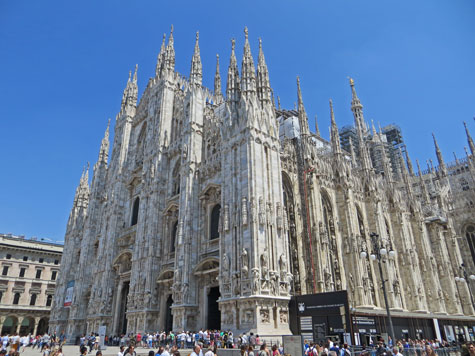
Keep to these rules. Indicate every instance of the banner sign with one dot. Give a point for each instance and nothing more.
(68, 299)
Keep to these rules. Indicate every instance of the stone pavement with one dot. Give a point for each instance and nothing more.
(73, 350)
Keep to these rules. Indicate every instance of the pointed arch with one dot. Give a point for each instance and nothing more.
(176, 178)
(469, 233)
(289, 208)
(214, 222)
(135, 212)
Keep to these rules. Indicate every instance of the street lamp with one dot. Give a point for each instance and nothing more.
(381, 254)
(466, 278)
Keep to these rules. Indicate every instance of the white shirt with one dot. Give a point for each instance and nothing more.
(209, 353)
(120, 354)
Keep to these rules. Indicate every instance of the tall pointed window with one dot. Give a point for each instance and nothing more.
(173, 236)
(176, 179)
(135, 212)
(470, 235)
(214, 222)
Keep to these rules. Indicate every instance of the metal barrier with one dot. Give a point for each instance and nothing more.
(417, 351)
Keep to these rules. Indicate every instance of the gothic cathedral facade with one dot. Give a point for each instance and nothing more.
(213, 210)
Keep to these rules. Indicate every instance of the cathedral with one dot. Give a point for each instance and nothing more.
(213, 210)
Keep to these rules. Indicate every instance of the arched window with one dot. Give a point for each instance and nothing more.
(135, 212)
(214, 222)
(173, 236)
(33, 299)
(470, 235)
(176, 179)
(139, 154)
(16, 298)
(49, 300)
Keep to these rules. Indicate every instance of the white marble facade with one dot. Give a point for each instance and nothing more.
(214, 210)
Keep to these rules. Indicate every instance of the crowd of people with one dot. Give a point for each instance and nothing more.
(47, 345)
(207, 343)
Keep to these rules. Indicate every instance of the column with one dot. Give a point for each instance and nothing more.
(37, 321)
(2, 320)
(20, 321)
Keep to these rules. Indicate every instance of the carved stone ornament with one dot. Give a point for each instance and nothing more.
(226, 217)
(244, 211)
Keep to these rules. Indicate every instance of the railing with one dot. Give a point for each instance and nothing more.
(418, 351)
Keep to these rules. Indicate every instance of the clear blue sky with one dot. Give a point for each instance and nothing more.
(66, 63)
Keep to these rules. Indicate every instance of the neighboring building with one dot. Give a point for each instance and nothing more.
(213, 211)
(29, 271)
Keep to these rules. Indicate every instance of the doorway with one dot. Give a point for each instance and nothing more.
(169, 315)
(214, 314)
(123, 308)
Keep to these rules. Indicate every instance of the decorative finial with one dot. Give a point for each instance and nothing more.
(260, 43)
(246, 34)
(233, 44)
(352, 82)
(197, 35)
(217, 57)
(171, 30)
(164, 37)
(130, 75)
(278, 102)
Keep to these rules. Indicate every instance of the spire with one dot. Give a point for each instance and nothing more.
(263, 83)
(130, 94)
(425, 195)
(196, 73)
(104, 150)
(352, 152)
(409, 164)
(469, 139)
(248, 71)
(160, 58)
(278, 102)
(317, 130)
(375, 134)
(135, 73)
(170, 54)
(217, 82)
(303, 120)
(233, 83)
(356, 106)
(335, 136)
(442, 167)
(456, 159)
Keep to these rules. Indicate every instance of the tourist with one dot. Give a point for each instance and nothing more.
(99, 353)
(196, 351)
(263, 350)
(165, 351)
(396, 351)
(471, 349)
(275, 351)
(121, 351)
(210, 351)
(250, 350)
(83, 351)
(130, 352)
